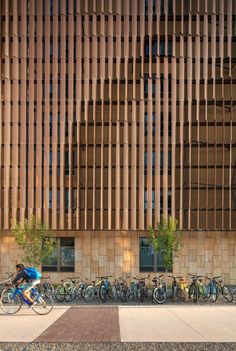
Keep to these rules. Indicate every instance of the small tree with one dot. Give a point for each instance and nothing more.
(33, 237)
(166, 239)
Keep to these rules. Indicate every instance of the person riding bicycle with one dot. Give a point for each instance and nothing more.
(27, 277)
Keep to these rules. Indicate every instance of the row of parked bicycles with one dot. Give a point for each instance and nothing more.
(127, 289)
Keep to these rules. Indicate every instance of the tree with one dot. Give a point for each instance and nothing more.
(166, 240)
(33, 237)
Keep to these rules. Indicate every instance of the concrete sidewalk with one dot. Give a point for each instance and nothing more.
(124, 323)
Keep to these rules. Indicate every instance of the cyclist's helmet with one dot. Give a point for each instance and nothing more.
(20, 266)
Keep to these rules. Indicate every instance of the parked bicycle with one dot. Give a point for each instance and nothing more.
(65, 291)
(120, 288)
(102, 288)
(47, 287)
(142, 287)
(223, 290)
(159, 290)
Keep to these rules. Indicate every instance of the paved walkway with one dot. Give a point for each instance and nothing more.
(123, 323)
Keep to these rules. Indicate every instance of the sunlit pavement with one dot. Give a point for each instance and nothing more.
(93, 324)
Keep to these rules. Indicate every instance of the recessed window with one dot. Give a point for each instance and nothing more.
(149, 260)
(62, 258)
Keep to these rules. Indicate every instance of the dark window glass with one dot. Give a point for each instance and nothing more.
(146, 85)
(50, 198)
(170, 7)
(67, 254)
(169, 160)
(66, 198)
(62, 258)
(149, 260)
(146, 162)
(58, 199)
(146, 119)
(67, 166)
(162, 48)
(51, 7)
(145, 199)
(146, 256)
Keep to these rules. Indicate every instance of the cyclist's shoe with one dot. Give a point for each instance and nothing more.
(33, 304)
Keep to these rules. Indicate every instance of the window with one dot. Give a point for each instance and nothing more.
(169, 202)
(162, 85)
(169, 124)
(154, 48)
(145, 199)
(50, 198)
(62, 258)
(67, 166)
(153, 7)
(149, 261)
(169, 160)
(146, 162)
(170, 7)
(146, 118)
(66, 199)
(162, 48)
(146, 78)
(58, 199)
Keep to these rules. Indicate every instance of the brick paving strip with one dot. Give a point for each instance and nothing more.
(95, 324)
(117, 346)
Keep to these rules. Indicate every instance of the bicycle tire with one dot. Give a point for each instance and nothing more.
(193, 293)
(123, 295)
(227, 293)
(214, 294)
(114, 294)
(89, 294)
(8, 301)
(70, 294)
(60, 293)
(159, 295)
(129, 295)
(103, 293)
(142, 294)
(44, 304)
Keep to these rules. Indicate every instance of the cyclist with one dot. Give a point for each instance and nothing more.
(28, 277)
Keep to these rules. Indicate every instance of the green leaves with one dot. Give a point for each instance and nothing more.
(33, 237)
(166, 240)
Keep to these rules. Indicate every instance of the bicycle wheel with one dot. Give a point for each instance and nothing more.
(159, 295)
(123, 295)
(60, 293)
(141, 294)
(103, 293)
(44, 304)
(129, 295)
(114, 294)
(214, 294)
(89, 294)
(70, 294)
(10, 303)
(193, 293)
(227, 293)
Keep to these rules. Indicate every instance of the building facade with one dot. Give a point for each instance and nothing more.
(113, 114)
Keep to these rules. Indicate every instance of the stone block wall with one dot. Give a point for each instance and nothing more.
(116, 252)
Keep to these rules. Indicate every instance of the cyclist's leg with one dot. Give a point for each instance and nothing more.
(27, 288)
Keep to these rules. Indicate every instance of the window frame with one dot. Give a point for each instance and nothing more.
(156, 268)
(46, 268)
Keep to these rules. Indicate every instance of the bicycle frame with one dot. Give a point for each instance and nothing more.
(18, 291)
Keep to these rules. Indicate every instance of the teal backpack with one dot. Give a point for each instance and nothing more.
(32, 273)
